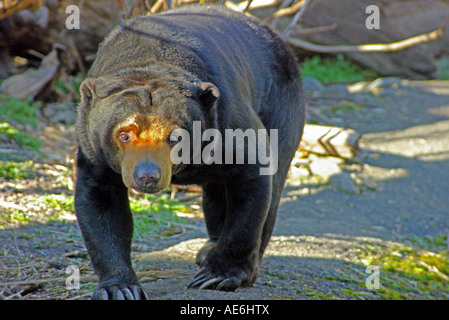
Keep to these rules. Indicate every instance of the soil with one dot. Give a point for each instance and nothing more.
(322, 235)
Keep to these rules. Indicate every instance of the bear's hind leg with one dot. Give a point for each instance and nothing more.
(234, 260)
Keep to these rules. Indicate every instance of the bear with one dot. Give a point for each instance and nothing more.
(155, 77)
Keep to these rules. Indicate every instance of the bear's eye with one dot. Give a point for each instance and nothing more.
(124, 137)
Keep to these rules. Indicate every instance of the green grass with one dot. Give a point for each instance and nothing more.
(60, 203)
(16, 117)
(70, 87)
(335, 69)
(11, 170)
(9, 132)
(155, 215)
(409, 273)
(19, 111)
(443, 69)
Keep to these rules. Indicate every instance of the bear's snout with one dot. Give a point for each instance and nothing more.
(147, 175)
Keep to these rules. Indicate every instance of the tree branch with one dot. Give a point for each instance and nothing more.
(393, 46)
(302, 10)
(290, 10)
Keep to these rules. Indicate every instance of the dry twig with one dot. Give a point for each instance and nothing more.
(393, 46)
(290, 10)
(329, 27)
(298, 15)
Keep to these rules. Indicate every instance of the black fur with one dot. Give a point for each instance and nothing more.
(174, 53)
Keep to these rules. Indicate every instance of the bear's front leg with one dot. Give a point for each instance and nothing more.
(233, 261)
(105, 220)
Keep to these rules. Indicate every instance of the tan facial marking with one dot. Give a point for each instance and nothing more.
(159, 155)
(145, 144)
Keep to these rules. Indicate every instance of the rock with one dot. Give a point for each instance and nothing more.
(336, 91)
(331, 141)
(343, 182)
(366, 180)
(358, 87)
(39, 17)
(64, 113)
(380, 86)
(325, 167)
(295, 175)
(312, 86)
(382, 83)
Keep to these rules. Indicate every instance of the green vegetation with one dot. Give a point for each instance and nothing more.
(443, 69)
(409, 273)
(39, 209)
(17, 116)
(59, 203)
(335, 69)
(23, 112)
(69, 87)
(11, 170)
(156, 215)
(9, 132)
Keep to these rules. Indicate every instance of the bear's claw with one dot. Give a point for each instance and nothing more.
(134, 292)
(204, 280)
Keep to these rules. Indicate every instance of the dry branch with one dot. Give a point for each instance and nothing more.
(329, 27)
(290, 10)
(255, 4)
(157, 6)
(298, 15)
(393, 46)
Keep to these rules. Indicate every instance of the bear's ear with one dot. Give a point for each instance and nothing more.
(101, 87)
(87, 90)
(205, 92)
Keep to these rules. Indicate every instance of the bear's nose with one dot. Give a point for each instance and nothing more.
(147, 175)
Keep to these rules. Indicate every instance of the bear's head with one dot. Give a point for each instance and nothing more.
(125, 122)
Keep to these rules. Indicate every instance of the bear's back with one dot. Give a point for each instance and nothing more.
(200, 39)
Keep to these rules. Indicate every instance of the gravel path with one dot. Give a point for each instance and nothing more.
(314, 252)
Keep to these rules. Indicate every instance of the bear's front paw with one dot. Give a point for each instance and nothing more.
(220, 273)
(115, 292)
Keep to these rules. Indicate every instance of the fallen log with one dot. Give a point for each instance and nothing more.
(330, 141)
(32, 81)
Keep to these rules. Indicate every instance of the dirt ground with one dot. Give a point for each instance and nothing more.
(324, 237)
